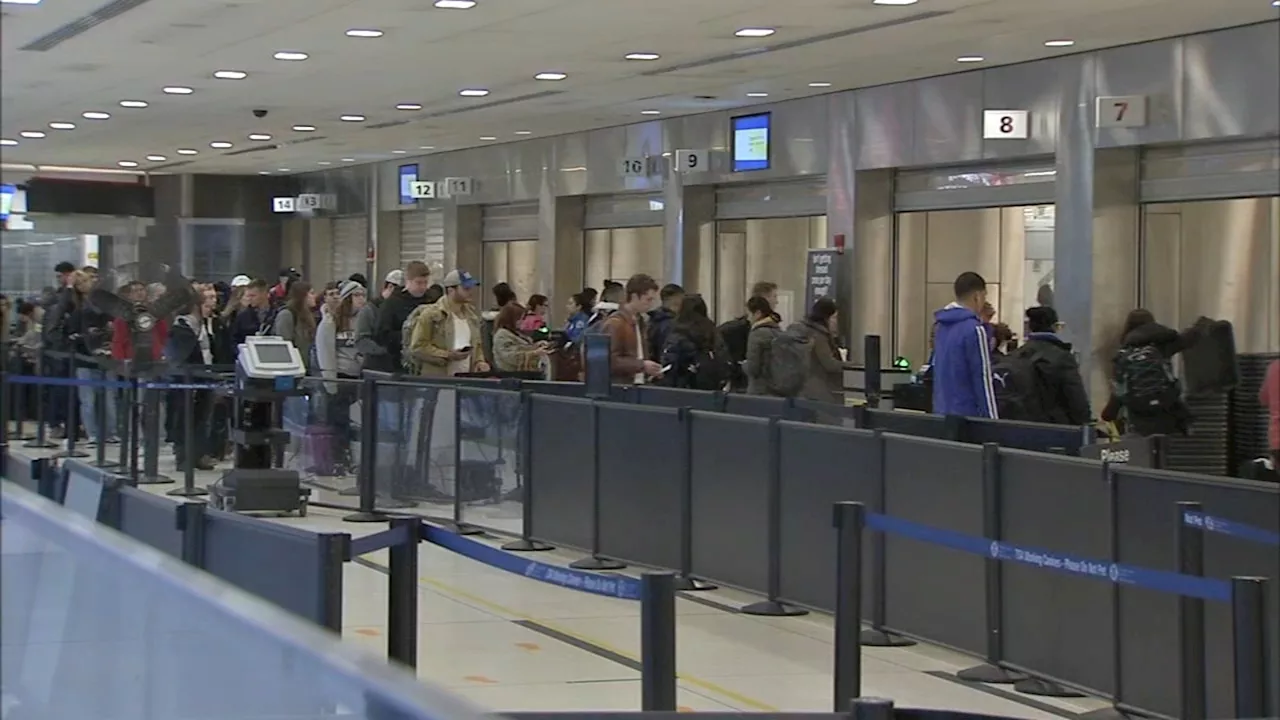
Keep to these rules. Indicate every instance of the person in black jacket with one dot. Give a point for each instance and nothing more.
(192, 346)
(1063, 399)
(90, 332)
(255, 318)
(661, 318)
(392, 315)
(1142, 331)
(695, 355)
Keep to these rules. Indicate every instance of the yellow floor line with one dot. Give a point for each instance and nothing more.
(732, 696)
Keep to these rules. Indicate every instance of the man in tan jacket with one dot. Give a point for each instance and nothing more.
(446, 338)
(626, 330)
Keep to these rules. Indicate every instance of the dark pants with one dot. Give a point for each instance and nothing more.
(202, 417)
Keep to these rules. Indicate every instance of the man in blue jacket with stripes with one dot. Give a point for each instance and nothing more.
(962, 383)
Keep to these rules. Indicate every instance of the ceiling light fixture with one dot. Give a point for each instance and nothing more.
(231, 74)
(473, 92)
(133, 103)
(188, 151)
(755, 32)
(550, 76)
(399, 152)
(488, 138)
(259, 137)
(177, 90)
(819, 84)
(127, 164)
(970, 59)
(523, 132)
(220, 145)
(20, 2)
(8, 141)
(408, 106)
(757, 94)
(304, 128)
(157, 158)
(365, 33)
(426, 147)
(284, 170)
(894, 2)
(264, 172)
(351, 118)
(455, 4)
(650, 112)
(348, 159)
(32, 134)
(324, 162)
(642, 56)
(62, 125)
(95, 115)
(291, 55)
(1059, 43)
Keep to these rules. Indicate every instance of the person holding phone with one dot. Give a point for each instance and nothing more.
(446, 334)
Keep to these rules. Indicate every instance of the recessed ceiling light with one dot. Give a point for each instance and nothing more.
(290, 55)
(1059, 43)
(220, 145)
(642, 56)
(523, 132)
(188, 151)
(364, 33)
(348, 159)
(304, 128)
(550, 76)
(894, 2)
(259, 137)
(473, 92)
(284, 170)
(8, 141)
(755, 32)
(408, 106)
(127, 163)
(231, 74)
(399, 152)
(426, 147)
(62, 125)
(157, 158)
(177, 90)
(20, 2)
(95, 115)
(455, 4)
(324, 162)
(352, 118)
(819, 84)
(133, 103)
(33, 134)
(970, 59)
(488, 138)
(264, 172)
(757, 94)
(650, 112)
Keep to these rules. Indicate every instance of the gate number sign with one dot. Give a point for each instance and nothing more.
(1005, 125)
(1122, 111)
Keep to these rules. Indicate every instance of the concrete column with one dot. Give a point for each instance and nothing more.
(371, 243)
(463, 228)
(689, 215)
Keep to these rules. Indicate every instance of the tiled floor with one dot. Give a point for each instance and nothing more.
(510, 643)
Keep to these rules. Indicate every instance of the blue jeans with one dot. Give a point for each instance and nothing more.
(89, 405)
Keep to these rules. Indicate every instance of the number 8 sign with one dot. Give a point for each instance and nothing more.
(1005, 125)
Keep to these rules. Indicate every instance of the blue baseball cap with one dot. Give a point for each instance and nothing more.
(460, 278)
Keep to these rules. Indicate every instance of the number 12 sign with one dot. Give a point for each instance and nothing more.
(1005, 125)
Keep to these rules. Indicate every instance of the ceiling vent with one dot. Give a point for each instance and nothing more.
(82, 25)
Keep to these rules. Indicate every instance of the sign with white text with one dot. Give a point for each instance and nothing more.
(821, 268)
(1122, 111)
(1006, 125)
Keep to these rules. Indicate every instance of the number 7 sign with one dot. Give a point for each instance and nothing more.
(1122, 111)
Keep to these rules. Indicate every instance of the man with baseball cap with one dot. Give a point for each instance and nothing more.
(446, 338)
(367, 318)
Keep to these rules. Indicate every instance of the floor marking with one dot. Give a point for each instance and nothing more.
(480, 680)
(367, 632)
(1005, 694)
(531, 647)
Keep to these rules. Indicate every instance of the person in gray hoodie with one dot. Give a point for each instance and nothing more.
(367, 317)
(339, 358)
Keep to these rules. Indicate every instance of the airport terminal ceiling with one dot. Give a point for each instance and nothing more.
(249, 86)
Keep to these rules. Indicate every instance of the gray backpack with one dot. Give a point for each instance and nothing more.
(789, 358)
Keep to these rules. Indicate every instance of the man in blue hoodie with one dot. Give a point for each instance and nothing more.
(962, 382)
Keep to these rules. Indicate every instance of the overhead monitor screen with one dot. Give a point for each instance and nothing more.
(273, 353)
(751, 142)
(6, 200)
(408, 176)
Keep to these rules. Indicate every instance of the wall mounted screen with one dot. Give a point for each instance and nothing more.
(408, 176)
(751, 142)
(6, 200)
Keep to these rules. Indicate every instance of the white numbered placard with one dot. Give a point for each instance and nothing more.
(457, 187)
(692, 161)
(1005, 125)
(1122, 111)
(633, 167)
(284, 204)
(309, 201)
(422, 190)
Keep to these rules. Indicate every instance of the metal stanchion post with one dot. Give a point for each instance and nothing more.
(151, 443)
(872, 709)
(368, 456)
(191, 453)
(658, 642)
(73, 414)
(40, 440)
(594, 562)
(1249, 640)
(129, 444)
(402, 594)
(6, 397)
(850, 518)
(100, 419)
(1194, 702)
(526, 543)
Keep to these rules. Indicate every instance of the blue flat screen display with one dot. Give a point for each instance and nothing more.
(751, 142)
(6, 200)
(408, 176)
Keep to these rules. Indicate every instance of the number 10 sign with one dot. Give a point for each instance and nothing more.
(1005, 125)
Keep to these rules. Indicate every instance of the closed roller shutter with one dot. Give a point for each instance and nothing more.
(607, 212)
(350, 247)
(1211, 171)
(797, 198)
(979, 186)
(518, 221)
(422, 238)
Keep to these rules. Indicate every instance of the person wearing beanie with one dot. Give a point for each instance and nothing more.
(1063, 398)
(339, 359)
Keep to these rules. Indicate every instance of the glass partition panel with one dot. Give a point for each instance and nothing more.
(96, 625)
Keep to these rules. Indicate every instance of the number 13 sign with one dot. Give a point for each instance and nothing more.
(1005, 125)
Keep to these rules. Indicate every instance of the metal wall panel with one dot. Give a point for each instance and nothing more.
(1034, 87)
(348, 251)
(1222, 170)
(518, 221)
(1153, 70)
(1230, 83)
(799, 198)
(948, 119)
(634, 210)
(422, 238)
(976, 186)
(884, 121)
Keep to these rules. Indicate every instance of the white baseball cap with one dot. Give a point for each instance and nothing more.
(240, 281)
(395, 277)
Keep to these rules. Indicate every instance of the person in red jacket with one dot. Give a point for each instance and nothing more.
(1269, 395)
(122, 337)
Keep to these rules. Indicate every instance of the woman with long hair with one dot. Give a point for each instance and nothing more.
(338, 359)
(1145, 393)
(296, 321)
(764, 329)
(695, 355)
(512, 350)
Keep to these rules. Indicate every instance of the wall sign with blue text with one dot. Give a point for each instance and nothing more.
(751, 142)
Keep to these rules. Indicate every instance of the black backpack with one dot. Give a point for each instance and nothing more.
(1144, 380)
(1019, 386)
(711, 371)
